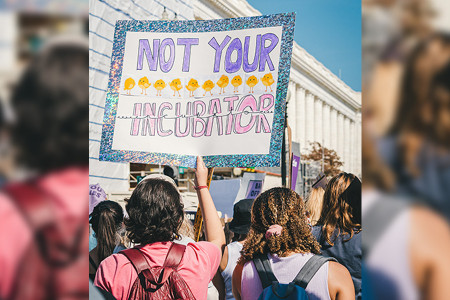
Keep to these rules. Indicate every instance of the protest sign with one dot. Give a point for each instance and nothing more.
(251, 186)
(254, 189)
(224, 192)
(215, 88)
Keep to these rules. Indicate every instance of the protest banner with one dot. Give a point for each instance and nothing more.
(224, 192)
(251, 186)
(214, 88)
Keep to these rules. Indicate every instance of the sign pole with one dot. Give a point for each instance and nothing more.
(198, 217)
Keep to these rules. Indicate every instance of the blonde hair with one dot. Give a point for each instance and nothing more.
(314, 204)
(186, 229)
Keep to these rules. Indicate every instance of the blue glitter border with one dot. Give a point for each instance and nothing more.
(287, 20)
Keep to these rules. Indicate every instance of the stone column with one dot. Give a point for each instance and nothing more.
(301, 114)
(291, 111)
(318, 121)
(353, 147)
(358, 148)
(347, 144)
(340, 136)
(326, 126)
(334, 129)
(309, 118)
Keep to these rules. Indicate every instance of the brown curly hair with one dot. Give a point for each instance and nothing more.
(283, 207)
(155, 212)
(340, 215)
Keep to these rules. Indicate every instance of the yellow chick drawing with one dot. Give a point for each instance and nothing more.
(192, 86)
(267, 80)
(129, 84)
(144, 84)
(176, 86)
(222, 83)
(208, 86)
(159, 85)
(236, 81)
(251, 82)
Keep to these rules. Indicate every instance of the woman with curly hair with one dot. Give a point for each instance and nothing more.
(279, 231)
(155, 215)
(338, 230)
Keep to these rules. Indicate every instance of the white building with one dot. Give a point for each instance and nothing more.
(321, 107)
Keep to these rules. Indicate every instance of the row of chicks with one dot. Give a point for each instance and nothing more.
(267, 80)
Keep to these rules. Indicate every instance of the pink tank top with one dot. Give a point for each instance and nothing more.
(285, 270)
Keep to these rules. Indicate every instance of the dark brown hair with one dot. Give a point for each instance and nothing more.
(339, 213)
(50, 104)
(106, 220)
(284, 207)
(155, 212)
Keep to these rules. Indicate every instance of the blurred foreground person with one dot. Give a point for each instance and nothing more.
(406, 246)
(417, 148)
(240, 225)
(107, 221)
(44, 251)
(338, 230)
(280, 247)
(160, 268)
(315, 198)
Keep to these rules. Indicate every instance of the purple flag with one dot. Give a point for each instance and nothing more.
(295, 166)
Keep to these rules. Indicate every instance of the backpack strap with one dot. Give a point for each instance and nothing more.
(137, 259)
(174, 256)
(140, 264)
(378, 218)
(265, 271)
(32, 202)
(55, 246)
(310, 269)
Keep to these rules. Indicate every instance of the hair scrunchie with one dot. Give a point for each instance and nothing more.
(274, 230)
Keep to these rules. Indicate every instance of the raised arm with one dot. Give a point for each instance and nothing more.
(213, 226)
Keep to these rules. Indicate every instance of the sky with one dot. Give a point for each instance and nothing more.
(330, 30)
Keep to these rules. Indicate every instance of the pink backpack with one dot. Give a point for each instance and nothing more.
(158, 283)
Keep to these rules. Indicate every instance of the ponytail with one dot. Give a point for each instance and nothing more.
(106, 235)
(106, 220)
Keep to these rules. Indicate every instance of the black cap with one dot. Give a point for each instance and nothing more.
(242, 216)
(321, 181)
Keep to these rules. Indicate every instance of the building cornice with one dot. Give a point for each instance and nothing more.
(301, 59)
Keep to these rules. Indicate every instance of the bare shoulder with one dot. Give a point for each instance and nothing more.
(429, 246)
(340, 284)
(236, 281)
(430, 233)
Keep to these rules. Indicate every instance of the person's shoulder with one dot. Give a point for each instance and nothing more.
(209, 248)
(114, 261)
(339, 279)
(337, 270)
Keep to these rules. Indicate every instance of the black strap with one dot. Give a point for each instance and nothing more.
(378, 218)
(310, 269)
(265, 271)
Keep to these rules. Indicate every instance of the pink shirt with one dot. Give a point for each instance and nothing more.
(69, 189)
(200, 262)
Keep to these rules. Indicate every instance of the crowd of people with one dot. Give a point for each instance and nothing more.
(273, 243)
